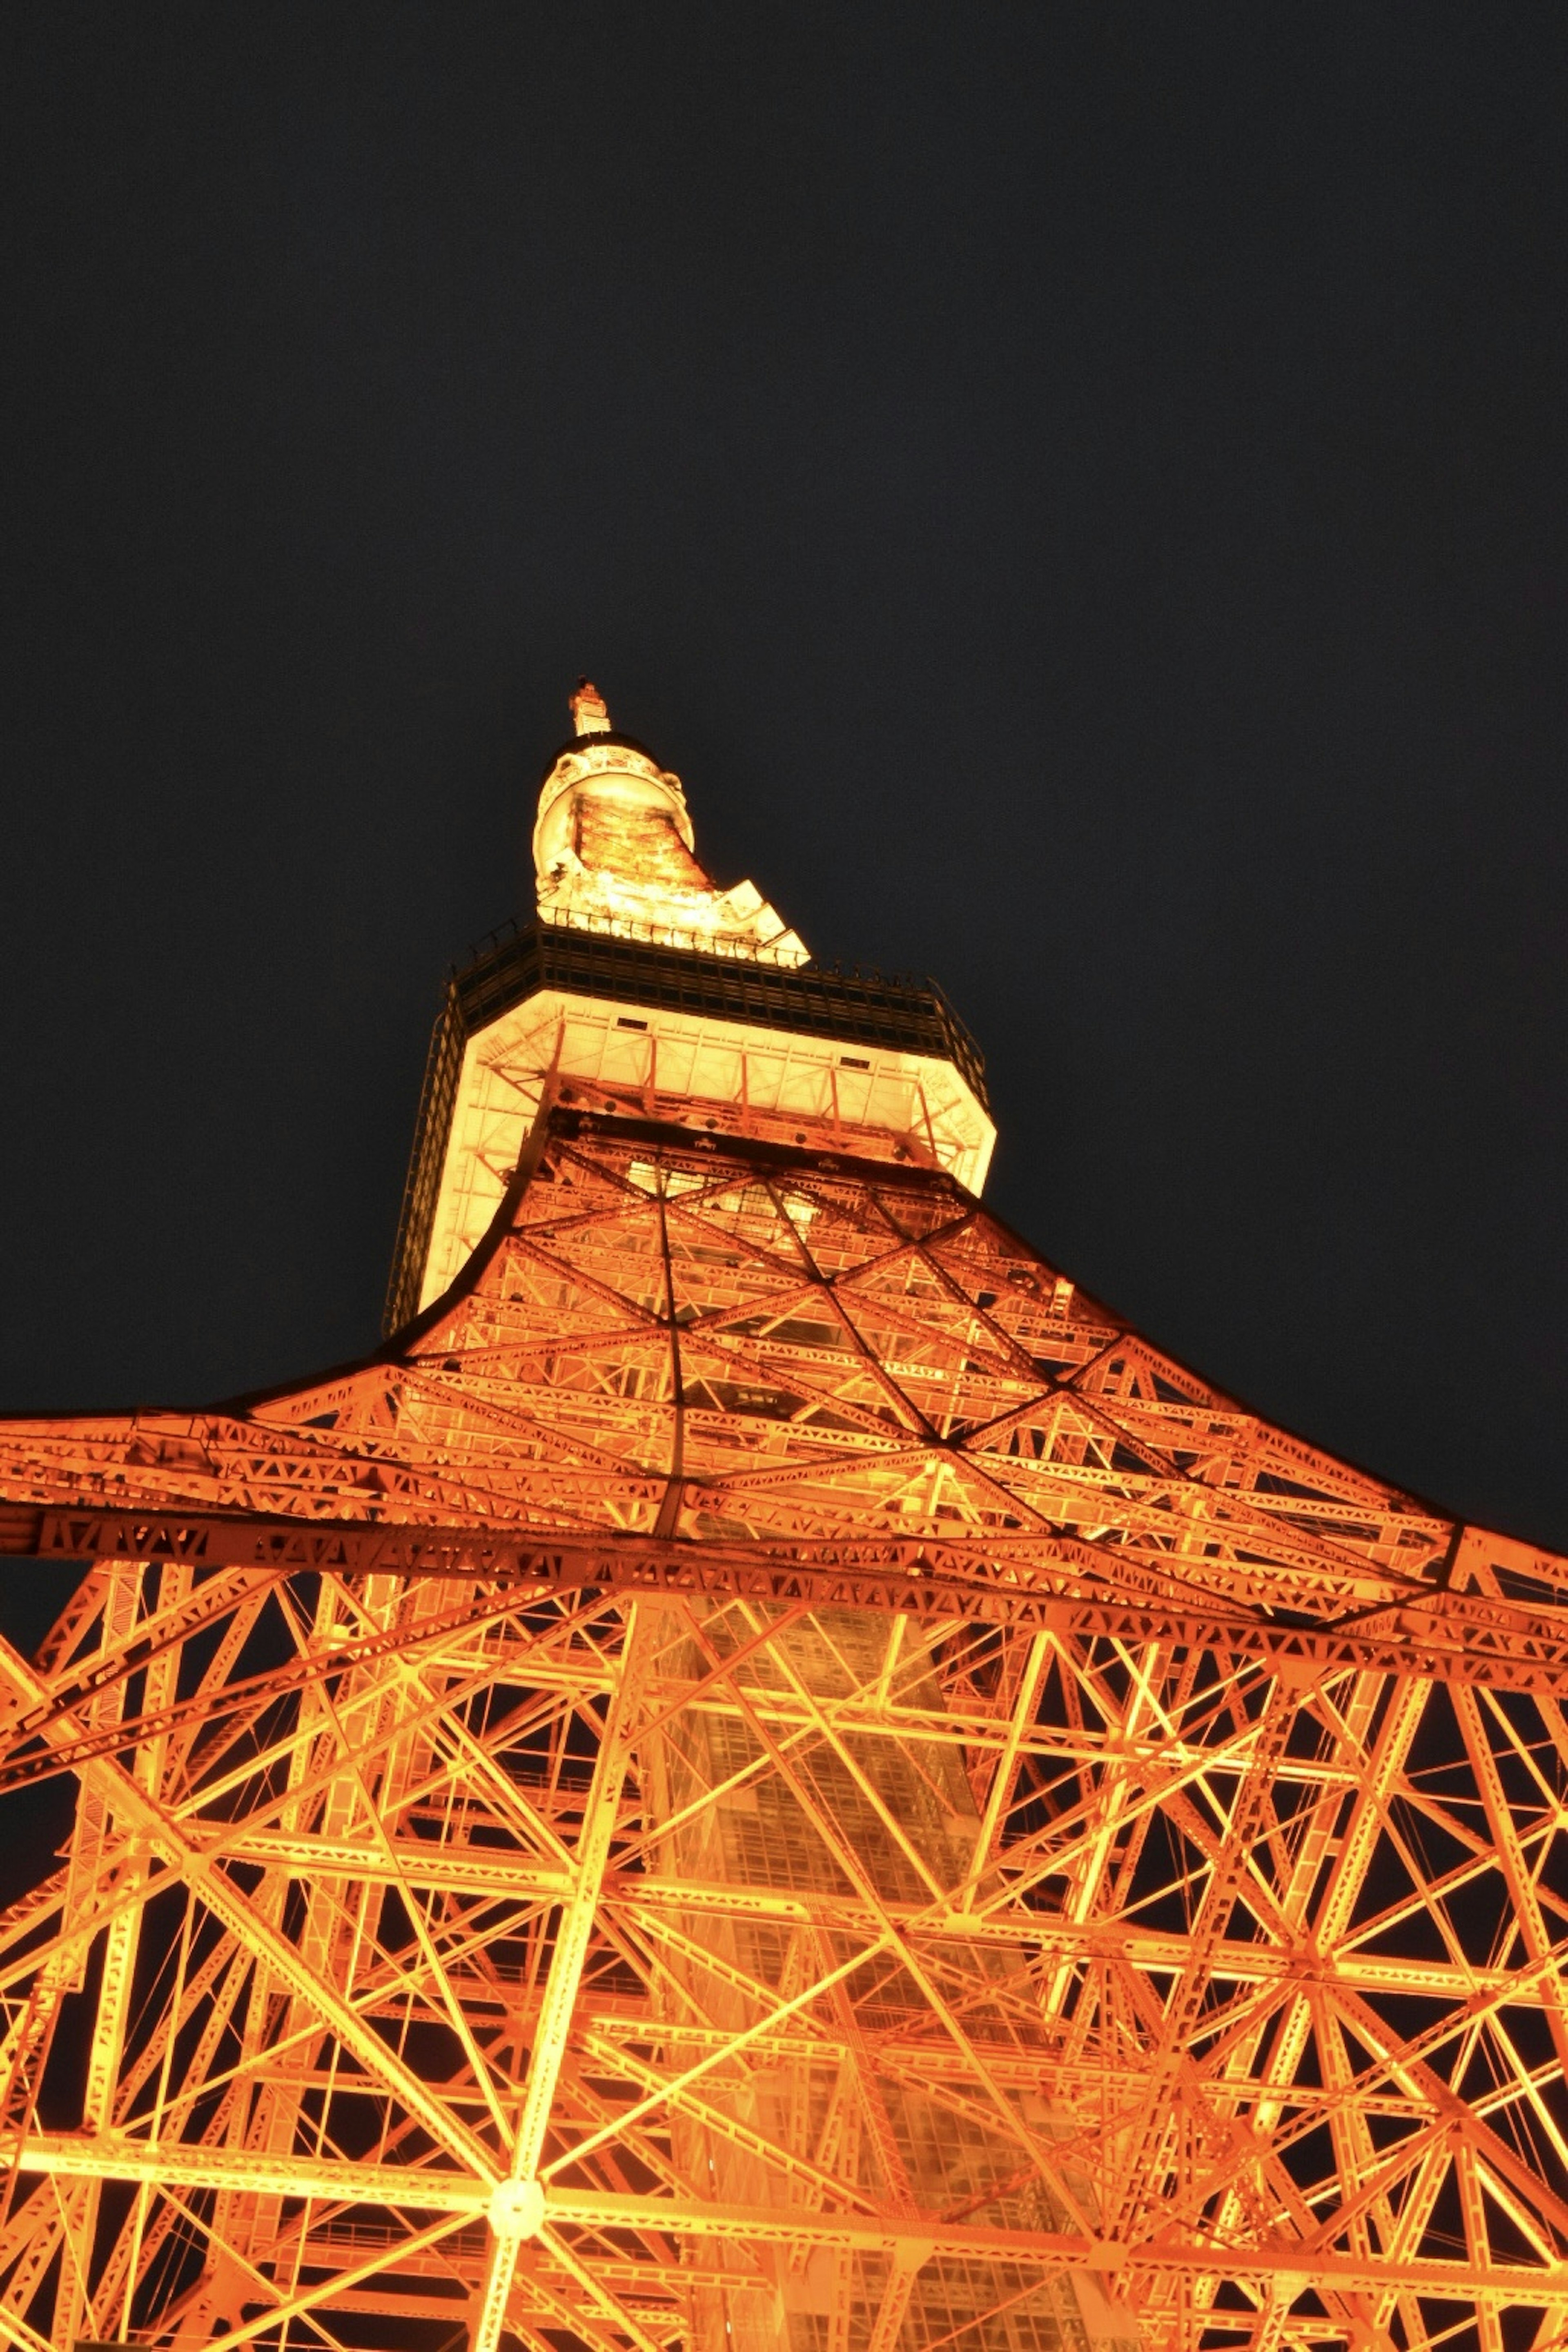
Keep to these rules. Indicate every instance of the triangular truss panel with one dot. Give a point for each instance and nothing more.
(769, 1773)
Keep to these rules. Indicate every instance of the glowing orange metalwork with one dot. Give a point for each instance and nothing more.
(768, 1772)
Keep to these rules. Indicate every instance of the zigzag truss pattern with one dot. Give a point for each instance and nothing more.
(770, 1773)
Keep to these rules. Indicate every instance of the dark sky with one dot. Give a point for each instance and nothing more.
(1079, 495)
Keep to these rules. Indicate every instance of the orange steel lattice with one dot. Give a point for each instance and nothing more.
(767, 1772)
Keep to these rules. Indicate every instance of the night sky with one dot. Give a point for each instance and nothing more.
(1078, 494)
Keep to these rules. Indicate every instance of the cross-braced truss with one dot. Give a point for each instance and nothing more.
(769, 1772)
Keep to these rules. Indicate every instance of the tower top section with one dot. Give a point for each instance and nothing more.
(642, 992)
(590, 711)
(613, 852)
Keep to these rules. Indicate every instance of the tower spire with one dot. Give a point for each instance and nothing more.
(590, 711)
(613, 851)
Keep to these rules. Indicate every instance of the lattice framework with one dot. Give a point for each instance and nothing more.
(771, 1765)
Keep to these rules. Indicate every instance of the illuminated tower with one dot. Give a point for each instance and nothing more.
(766, 1772)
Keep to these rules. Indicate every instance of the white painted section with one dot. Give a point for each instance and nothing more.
(717, 1074)
(633, 903)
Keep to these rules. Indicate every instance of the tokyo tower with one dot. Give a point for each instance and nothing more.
(765, 1773)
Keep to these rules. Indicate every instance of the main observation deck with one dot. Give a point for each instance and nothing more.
(898, 1021)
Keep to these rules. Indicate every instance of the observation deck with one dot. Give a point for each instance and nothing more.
(897, 1018)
